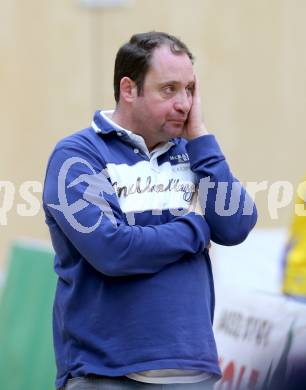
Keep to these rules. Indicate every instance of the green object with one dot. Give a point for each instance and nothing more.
(26, 347)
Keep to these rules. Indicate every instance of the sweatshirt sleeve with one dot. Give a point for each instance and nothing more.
(80, 201)
(229, 210)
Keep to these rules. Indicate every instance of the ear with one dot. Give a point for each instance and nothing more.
(128, 89)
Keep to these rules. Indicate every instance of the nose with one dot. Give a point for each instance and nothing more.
(183, 102)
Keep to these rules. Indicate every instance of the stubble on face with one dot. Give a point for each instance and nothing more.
(161, 110)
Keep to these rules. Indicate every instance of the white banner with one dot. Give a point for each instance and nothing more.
(260, 339)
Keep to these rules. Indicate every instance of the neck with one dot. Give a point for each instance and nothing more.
(118, 118)
(124, 120)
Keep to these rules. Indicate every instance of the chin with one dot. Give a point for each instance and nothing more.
(173, 131)
(176, 131)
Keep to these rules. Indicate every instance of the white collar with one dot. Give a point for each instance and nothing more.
(135, 139)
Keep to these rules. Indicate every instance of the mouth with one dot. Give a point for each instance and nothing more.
(178, 121)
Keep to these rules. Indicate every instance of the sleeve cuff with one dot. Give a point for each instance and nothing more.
(204, 149)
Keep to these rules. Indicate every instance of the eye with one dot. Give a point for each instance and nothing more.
(169, 89)
(190, 89)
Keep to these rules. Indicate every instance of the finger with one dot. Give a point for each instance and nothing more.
(196, 86)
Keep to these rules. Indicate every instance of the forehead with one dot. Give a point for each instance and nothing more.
(166, 65)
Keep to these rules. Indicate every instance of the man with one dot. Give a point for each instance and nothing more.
(135, 298)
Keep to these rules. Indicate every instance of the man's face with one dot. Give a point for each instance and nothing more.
(161, 111)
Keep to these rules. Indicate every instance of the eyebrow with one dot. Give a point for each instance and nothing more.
(175, 82)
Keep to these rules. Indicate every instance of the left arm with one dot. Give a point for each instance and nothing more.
(228, 209)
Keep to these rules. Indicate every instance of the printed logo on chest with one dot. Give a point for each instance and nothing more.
(141, 187)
